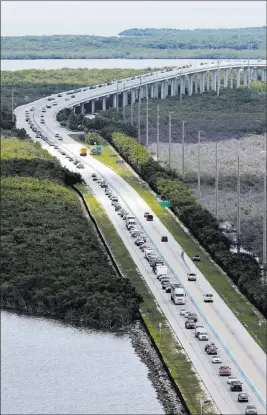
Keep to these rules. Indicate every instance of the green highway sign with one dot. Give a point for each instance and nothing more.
(165, 203)
(158, 196)
(99, 148)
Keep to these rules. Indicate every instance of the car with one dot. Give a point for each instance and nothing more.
(216, 359)
(192, 316)
(56, 135)
(189, 324)
(191, 276)
(187, 313)
(196, 257)
(231, 379)
(242, 397)
(54, 103)
(94, 176)
(209, 344)
(76, 162)
(146, 214)
(42, 121)
(149, 218)
(236, 386)
(167, 287)
(71, 158)
(182, 311)
(60, 138)
(250, 410)
(224, 371)
(80, 166)
(212, 350)
(42, 115)
(208, 298)
(59, 95)
(164, 239)
(67, 99)
(43, 110)
(32, 109)
(56, 146)
(72, 96)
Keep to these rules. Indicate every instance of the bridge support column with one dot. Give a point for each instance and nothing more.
(104, 104)
(162, 90)
(196, 83)
(255, 74)
(172, 87)
(124, 98)
(74, 110)
(93, 107)
(114, 103)
(82, 108)
(208, 80)
(225, 78)
(156, 90)
(264, 75)
(183, 85)
(202, 82)
(166, 88)
(245, 76)
(213, 80)
(238, 78)
(190, 84)
(132, 96)
(231, 79)
(152, 90)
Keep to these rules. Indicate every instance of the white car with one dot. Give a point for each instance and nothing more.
(186, 313)
(216, 359)
(231, 379)
(183, 311)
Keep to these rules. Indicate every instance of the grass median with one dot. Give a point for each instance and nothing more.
(172, 353)
(240, 306)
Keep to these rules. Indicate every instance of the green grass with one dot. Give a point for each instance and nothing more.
(13, 148)
(242, 309)
(173, 354)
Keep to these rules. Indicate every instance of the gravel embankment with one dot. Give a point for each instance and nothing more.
(157, 374)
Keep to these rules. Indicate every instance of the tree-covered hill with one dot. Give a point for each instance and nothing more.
(141, 43)
(52, 262)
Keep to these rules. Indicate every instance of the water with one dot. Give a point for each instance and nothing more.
(51, 368)
(14, 65)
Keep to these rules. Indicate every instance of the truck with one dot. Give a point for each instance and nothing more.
(130, 221)
(83, 151)
(148, 252)
(160, 270)
(177, 294)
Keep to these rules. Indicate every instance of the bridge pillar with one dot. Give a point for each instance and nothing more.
(82, 108)
(245, 76)
(183, 85)
(162, 90)
(202, 82)
(124, 98)
(132, 95)
(172, 87)
(225, 78)
(190, 84)
(208, 80)
(93, 107)
(74, 109)
(104, 104)
(238, 78)
(156, 88)
(166, 88)
(196, 83)
(213, 80)
(255, 74)
(114, 103)
(231, 79)
(264, 75)
(152, 90)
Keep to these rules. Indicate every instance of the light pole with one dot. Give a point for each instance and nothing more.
(158, 132)
(183, 122)
(238, 207)
(216, 180)
(170, 137)
(198, 162)
(264, 253)
(139, 112)
(146, 116)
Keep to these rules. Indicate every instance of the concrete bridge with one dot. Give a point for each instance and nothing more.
(172, 82)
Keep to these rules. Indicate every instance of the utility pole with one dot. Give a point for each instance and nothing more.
(198, 163)
(219, 79)
(181, 96)
(117, 97)
(183, 122)
(12, 103)
(170, 137)
(216, 180)
(131, 107)
(146, 116)
(238, 207)
(158, 132)
(139, 112)
(264, 254)
(123, 101)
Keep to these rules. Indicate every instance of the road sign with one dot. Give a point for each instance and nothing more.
(165, 203)
(99, 148)
(158, 196)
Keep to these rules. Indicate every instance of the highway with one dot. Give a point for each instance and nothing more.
(235, 345)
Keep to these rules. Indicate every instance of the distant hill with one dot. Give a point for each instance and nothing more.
(141, 44)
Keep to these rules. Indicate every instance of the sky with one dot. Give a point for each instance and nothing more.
(108, 18)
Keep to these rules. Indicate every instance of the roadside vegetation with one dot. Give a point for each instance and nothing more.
(141, 43)
(176, 360)
(52, 261)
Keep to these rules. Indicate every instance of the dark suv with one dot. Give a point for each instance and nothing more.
(236, 386)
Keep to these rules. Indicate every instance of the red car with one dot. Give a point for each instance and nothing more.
(190, 324)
